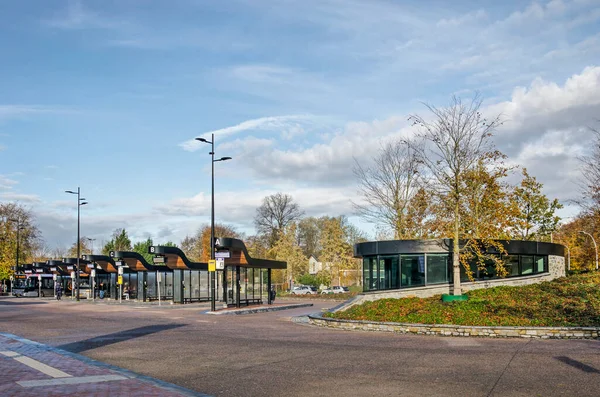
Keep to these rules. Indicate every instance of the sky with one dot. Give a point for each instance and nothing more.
(109, 95)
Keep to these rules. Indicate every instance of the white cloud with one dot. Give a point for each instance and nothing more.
(76, 16)
(264, 123)
(25, 198)
(7, 183)
(466, 18)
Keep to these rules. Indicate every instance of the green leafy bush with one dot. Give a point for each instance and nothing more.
(568, 301)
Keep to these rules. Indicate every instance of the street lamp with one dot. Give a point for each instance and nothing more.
(16, 269)
(595, 246)
(212, 215)
(91, 240)
(80, 202)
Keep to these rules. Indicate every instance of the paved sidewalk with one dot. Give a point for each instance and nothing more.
(29, 368)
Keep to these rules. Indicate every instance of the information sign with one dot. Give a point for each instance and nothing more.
(120, 280)
(72, 274)
(93, 272)
(120, 270)
(222, 254)
(220, 263)
(212, 265)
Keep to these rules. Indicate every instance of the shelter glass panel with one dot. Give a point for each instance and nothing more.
(195, 285)
(151, 291)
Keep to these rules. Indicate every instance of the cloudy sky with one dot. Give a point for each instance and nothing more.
(108, 95)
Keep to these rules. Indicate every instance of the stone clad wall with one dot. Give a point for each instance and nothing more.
(556, 269)
(459, 330)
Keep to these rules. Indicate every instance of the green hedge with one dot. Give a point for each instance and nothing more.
(568, 301)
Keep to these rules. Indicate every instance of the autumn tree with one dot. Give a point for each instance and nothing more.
(535, 216)
(275, 214)
(388, 185)
(457, 139)
(486, 211)
(84, 247)
(287, 249)
(119, 242)
(590, 176)
(197, 246)
(337, 254)
(16, 221)
(309, 236)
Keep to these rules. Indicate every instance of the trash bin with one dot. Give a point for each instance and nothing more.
(101, 294)
(273, 294)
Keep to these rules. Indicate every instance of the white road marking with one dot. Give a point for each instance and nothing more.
(71, 380)
(30, 362)
(46, 369)
(461, 342)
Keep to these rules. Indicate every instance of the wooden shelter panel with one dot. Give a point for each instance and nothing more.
(237, 258)
(134, 264)
(175, 262)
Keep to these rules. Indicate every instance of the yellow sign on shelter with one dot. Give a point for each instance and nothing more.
(120, 280)
(212, 265)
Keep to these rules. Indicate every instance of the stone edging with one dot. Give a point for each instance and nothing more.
(259, 309)
(458, 330)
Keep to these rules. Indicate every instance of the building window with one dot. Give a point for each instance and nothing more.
(527, 264)
(389, 269)
(541, 264)
(511, 263)
(413, 270)
(437, 268)
(370, 273)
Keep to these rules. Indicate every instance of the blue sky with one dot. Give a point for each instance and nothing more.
(108, 95)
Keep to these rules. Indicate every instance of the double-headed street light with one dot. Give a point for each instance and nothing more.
(212, 215)
(91, 240)
(16, 268)
(595, 246)
(80, 202)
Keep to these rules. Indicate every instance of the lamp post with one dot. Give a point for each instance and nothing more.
(80, 202)
(595, 246)
(16, 268)
(212, 215)
(91, 240)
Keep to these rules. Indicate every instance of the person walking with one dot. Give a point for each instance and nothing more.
(58, 291)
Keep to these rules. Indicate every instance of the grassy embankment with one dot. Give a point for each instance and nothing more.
(568, 301)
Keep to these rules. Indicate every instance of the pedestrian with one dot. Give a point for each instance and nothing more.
(58, 291)
(273, 293)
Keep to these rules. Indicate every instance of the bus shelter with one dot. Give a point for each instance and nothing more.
(106, 275)
(59, 268)
(85, 290)
(140, 277)
(189, 280)
(244, 280)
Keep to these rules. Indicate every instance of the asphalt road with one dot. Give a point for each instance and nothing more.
(267, 354)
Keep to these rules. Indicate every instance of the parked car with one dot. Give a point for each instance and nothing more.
(304, 290)
(336, 289)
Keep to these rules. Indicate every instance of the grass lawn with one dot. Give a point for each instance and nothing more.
(568, 301)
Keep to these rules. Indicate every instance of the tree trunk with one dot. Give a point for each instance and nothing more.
(456, 252)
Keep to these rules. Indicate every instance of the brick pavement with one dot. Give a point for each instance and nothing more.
(29, 368)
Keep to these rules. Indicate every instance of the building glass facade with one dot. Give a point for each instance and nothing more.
(388, 272)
